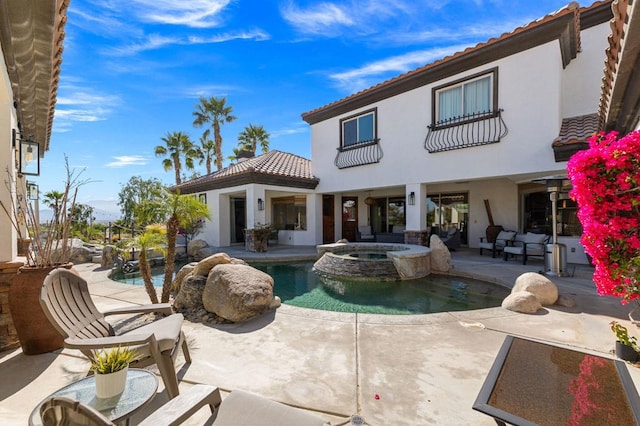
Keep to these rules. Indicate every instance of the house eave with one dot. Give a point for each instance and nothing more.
(32, 34)
(562, 28)
(247, 178)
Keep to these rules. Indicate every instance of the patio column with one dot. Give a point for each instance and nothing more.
(416, 214)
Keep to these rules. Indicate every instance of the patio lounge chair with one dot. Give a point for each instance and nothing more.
(66, 301)
(527, 245)
(501, 241)
(451, 238)
(238, 409)
(365, 234)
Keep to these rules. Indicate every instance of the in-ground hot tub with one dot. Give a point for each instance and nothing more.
(374, 260)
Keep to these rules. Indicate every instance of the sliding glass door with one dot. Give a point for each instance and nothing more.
(448, 210)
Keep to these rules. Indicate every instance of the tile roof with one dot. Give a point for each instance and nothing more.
(570, 13)
(32, 35)
(274, 167)
(577, 129)
(619, 97)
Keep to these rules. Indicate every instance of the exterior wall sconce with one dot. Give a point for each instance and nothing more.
(412, 198)
(260, 204)
(29, 155)
(32, 191)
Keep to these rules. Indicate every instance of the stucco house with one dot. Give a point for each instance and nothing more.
(468, 141)
(275, 188)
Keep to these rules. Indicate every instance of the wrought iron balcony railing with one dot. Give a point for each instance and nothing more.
(366, 152)
(464, 132)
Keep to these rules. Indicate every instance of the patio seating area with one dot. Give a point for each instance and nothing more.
(415, 369)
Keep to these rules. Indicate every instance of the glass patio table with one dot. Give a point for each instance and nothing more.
(533, 383)
(140, 388)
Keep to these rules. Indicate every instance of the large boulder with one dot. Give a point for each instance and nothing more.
(190, 294)
(523, 302)
(543, 288)
(195, 245)
(186, 270)
(440, 255)
(109, 254)
(237, 292)
(205, 265)
(203, 253)
(77, 251)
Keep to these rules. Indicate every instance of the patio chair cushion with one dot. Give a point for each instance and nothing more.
(166, 331)
(503, 237)
(534, 243)
(245, 409)
(364, 233)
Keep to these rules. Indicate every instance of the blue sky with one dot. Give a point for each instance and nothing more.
(133, 71)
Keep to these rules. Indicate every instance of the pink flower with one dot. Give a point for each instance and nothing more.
(606, 186)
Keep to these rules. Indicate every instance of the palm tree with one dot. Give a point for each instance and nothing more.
(206, 150)
(215, 112)
(252, 136)
(183, 210)
(177, 144)
(153, 238)
(53, 200)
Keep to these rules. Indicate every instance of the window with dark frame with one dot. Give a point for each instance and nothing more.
(471, 98)
(290, 213)
(358, 129)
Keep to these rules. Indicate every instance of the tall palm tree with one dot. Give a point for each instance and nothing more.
(176, 145)
(207, 150)
(252, 136)
(215, 112)
(183, 209)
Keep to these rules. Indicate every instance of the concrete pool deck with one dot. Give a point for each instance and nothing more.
(400, 370)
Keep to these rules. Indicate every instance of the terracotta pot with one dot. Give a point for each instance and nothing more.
(36, 333)
(626, 353)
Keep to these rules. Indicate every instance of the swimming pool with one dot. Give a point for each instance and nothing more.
(298, 285)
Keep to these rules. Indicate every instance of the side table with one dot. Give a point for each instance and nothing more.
(140, 388)
(534, 383)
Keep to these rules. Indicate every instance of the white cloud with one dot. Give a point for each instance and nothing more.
(76, 104)
(296, 129)
(321, 18)
(192, 13)
(157, 41)
(127, 160)
(360, 78)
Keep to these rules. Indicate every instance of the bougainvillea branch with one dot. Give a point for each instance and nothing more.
(606, 186)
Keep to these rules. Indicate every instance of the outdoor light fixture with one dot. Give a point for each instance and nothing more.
(32, 191)
(260, 204)
(412, 198)
(29, 155)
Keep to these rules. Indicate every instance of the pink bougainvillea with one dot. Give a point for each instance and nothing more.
(606, 186)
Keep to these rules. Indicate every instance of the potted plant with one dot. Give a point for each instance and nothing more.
(49, 249)
(110, 367)
(256, 238)
(626, 346)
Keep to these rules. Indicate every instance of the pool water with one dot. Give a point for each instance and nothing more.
(298, 285)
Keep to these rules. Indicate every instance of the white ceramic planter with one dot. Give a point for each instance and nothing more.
(109, 385)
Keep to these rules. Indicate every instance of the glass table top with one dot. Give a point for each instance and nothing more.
(536, 383)
(140, 388)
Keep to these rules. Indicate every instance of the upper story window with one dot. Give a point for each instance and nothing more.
(466, 99)
(358, 129)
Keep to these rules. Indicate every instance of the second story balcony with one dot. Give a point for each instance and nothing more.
(464, 132)
(359, 154)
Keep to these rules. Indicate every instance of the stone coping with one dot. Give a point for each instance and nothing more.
(394, 250)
